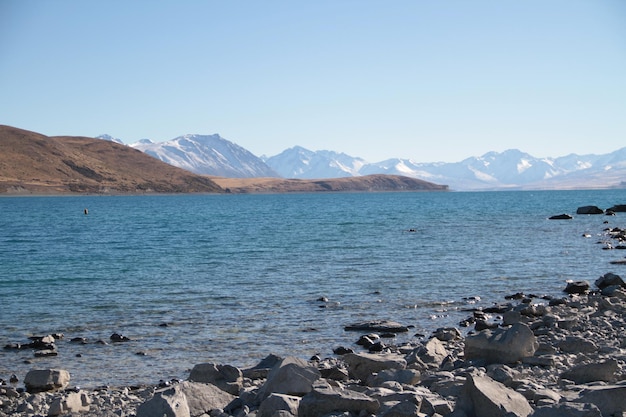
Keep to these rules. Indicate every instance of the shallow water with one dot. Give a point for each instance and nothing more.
(237, 277)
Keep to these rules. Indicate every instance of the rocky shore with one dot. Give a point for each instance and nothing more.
(526, 356)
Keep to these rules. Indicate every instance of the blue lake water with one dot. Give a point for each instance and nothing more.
(237, 277)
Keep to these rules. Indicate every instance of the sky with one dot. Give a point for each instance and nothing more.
(421, 79)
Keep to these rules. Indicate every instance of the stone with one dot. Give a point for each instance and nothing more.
(568, 410)
(608, 280)
(225, 377)
(577, 287)
(577, 344)
(74, 402)
(590, 372)
(323, 400)
(40, 380)
(362, 365)
(262, 369)
(403, 409)
(401, 376)
(278, 402)
(502, 345)
(203, 397)
(610, 399)
(292, 376)
(589, 210)
(563, 216)
(432, 353)
(482, 396)
(378, 326)
(168, 402)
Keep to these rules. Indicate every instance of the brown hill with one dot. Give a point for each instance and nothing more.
(31, 163)
(376, 183)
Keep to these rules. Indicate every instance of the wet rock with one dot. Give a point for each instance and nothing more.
(563, 216)
(116, 338)
(577, 287)
(378, 326)
(589, 210)
(609, 280)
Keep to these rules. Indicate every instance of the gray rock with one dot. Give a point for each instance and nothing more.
(610, 399)
(203, 398)
(482, 396)
(577, 287)
(577, 344)
(40, 380)
(431, 354)
(568, 410)
(292, 376)
(362, 365)
(169, 402)
(74, 402)
(597, 371)
(323, 400)
(403, 409)
(502, 345)
(278, 402)
(225, 377)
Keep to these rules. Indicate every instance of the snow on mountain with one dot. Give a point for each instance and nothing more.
(511, 169)
(298, 162)
(110, 139)
(208, 155)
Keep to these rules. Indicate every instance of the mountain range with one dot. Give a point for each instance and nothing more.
(32, 163)
(511, 169)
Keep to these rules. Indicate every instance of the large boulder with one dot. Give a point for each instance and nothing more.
(608, 280)
(292, 376)
(610, 399)
(276, 403)
(187, 399)
(362, 365)
(40, 380)
(225, 377)
(431, 355)
(323, 400)
(590, 372)
(502, 345)
(482, 396)
(568, 410)
(589, 210)
(617, 208)
(169, 402)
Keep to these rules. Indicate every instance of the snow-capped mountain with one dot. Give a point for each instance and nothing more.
(298, 162)
(511, 169)
(208, 155)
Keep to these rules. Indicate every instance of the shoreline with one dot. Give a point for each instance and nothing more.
(574, 348)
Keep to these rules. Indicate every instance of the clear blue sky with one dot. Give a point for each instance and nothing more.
(421, 79)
